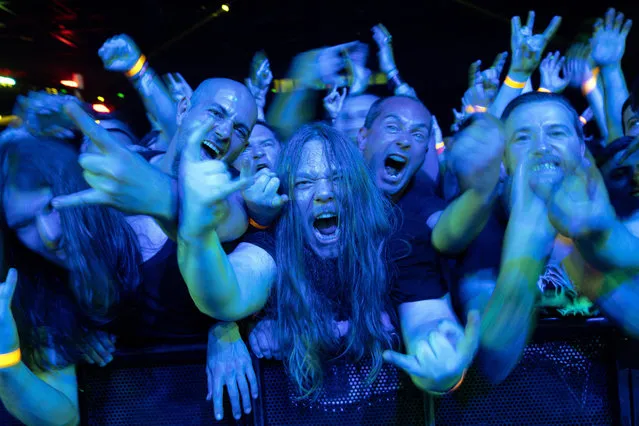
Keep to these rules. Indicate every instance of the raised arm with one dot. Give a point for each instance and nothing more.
(34, 398)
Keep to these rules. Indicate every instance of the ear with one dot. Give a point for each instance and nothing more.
(362, 138)
(183, 107)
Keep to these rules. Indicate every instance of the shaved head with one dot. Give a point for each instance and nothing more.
(228, 108)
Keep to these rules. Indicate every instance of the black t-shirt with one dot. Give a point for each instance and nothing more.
(413, 262)
(161, 309)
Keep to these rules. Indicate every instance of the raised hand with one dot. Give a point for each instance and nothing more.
(476, 154)
(229, 364)
(356, 65)
(118, 177)
(551, 68)
(178, 86)
(9, 339)
(526, 46)
(443, 356)
(578, 64)
(579, 205)
(45, 117)
(205, 186)
(384, 40)
(263, 341)
(119, 53)
(491, 77)
(261, 75)
(609, 39)
(321, 66)
(334, 101)
(262, 200)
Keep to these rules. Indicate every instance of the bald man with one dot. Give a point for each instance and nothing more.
(235, 111)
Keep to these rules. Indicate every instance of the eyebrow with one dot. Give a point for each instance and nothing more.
(398, 118)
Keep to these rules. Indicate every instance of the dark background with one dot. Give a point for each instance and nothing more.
(45, 41)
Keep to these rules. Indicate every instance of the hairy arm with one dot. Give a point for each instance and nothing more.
(225, 287)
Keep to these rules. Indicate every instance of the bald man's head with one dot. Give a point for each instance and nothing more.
(230, 107)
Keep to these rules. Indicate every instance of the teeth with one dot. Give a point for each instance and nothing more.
(326, 216)
(213, 147)
(545, 166)
(397, 158)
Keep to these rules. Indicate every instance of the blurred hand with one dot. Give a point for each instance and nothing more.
(476, 154)
(118, 177)
(262, 198)
(437, 359)
(9, 339)
(579, 64)
(98, 347)
(178, 87)
(550, 70)
(384, 41)
(119, 53)
(609, 39)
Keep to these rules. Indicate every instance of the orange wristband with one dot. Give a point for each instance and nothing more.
(543, 90)
(454, 388)
(254, 224)
(514, 84)
(583, 120)
(590, 84)
(137, 67)
(10, 359)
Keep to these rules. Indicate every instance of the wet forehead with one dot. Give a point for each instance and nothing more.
(234, 99)
(407, 110)
(538, 114)
(261, 133)
(313, 160)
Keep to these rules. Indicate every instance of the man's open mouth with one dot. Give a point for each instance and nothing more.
(210, 150)
(394, 165)
(326, 227)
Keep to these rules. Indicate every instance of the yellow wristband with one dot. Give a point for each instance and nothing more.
(137, 67)
(479, 108)
(469, 109)
(590, 84)
(514, 84)
(440, 145)
(10, 359)
(453, 389)
(472, 109)
(254, 224)
(543, 90)
(583, 120)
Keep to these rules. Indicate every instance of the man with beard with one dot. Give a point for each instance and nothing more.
(546, 160)
(334, 250)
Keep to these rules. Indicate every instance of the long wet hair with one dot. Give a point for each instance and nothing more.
(55, 307)
(304, 312)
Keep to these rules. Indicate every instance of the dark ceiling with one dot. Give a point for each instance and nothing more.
(45, 41)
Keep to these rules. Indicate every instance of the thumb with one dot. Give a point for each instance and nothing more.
(9, 285)
(198, 130)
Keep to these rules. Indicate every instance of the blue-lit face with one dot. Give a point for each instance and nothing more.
(396, 144)
(352, 116)
(262, 152)
(316, 183)
(630, 122)
(28, 212)
(545, 133)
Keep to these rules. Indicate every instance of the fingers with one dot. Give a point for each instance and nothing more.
(499, 63)
(243, 387)
(83, 198)
(263, 343)
(531, 21)
(234, 186)
(255, 346)
(279, 201)
(103, 354)
(234, 396)
(9, 285)
(407, 363)
(609, 18)
(469, 344)
(252, 381)
(474, 74)
(98, 135)
(218, 394)
(209, 384)
(552, 28)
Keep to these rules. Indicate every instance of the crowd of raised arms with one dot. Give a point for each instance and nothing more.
(370, 235)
